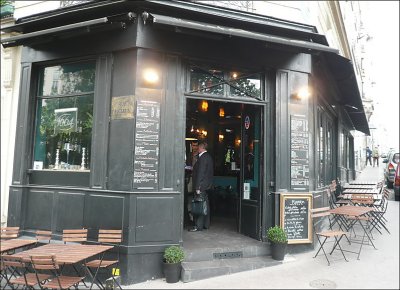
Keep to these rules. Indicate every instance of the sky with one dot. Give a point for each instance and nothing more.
(381, 20)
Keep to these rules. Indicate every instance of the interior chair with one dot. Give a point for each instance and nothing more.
(9, 233)
(107, 237)
(43, 236)
(48, 263)
(19, 270)
(319, 216)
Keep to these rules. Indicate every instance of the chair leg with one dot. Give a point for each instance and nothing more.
(322, 247)
(337, 243)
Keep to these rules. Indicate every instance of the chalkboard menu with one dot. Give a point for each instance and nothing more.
(299, 153)
(295, 217)
(147, 146)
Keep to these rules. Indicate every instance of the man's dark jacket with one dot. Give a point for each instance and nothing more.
(203, 172)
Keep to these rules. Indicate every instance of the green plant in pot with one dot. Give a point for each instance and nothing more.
(278, 238)
(173, 257)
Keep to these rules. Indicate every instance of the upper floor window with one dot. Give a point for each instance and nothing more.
(64, 117)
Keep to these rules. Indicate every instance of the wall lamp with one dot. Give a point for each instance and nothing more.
(150, 76)
(301, 94)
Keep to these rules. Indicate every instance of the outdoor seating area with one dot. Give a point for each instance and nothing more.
(45, 263)
(357, 212)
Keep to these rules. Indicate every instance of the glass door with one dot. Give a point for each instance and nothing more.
(251, 173)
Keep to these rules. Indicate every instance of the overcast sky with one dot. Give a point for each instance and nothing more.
(382, 23)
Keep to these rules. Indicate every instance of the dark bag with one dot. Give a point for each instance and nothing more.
(199, 206)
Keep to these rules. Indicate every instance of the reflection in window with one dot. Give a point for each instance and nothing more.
(218, 82)
(64, 117)
(245, 86)
(206, 82)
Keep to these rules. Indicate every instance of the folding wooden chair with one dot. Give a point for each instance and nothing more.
(106, 237)
(9, 233)
(77, 235)
(321, 214)
(19, 270)
(43, 236)
(46, 263)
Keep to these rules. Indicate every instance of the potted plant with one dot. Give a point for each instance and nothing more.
(278, 238)
(173, 257)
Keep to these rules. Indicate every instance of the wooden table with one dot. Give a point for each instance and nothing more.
(356, 212)
(67, 254)
(359, 186)
(363, 183)
(376, 197)
(362, 191)
(13, 244)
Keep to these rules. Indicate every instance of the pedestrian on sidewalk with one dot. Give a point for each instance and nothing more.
(369, 154)
(375, 156)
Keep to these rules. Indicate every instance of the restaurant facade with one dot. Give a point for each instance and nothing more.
(113, 92)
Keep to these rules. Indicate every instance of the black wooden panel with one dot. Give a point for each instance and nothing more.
(69, 209)
(105, 212)
(14, 207)
(156, 219)
(120, 161)
(282, 140)
(101, 111)
(20, 152)
(39, 209)
(66, 178)
(249, 220)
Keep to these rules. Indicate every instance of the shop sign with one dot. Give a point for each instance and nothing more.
(65, 120)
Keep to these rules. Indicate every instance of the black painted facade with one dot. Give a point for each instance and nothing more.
(106, 197)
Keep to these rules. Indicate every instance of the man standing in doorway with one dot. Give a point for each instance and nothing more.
(375, 156)
(369, 154)
(203, 172)
(189, 179)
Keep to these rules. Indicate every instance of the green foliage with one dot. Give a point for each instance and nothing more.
(5, 2)
(276, 234)
(174, 254)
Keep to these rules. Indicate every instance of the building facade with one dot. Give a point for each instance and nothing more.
(112, 93)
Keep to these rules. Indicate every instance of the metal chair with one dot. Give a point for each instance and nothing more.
(106, 237)
(321, 214)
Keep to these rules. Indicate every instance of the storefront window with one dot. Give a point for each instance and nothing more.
(64, 117)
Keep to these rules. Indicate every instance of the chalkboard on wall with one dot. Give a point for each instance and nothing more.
(295, 217)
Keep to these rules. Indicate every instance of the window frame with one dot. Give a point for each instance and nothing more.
(50, 177)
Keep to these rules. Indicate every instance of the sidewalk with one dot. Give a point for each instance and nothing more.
(376, 269)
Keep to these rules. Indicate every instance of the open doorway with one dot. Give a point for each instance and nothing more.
(233, 132)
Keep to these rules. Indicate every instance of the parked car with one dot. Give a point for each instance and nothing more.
(391, 161)
(397, 183)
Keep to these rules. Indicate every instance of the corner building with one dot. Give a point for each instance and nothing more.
(112, 93)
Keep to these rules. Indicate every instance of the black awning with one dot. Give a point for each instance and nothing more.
(115, 21)
(195, 25)
(349, 95)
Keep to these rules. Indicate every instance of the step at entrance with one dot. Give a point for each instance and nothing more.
(193, 271)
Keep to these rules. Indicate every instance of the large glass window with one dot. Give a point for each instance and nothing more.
(64, 117)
